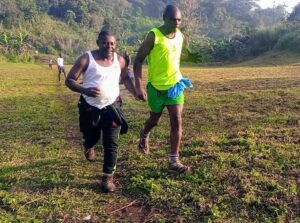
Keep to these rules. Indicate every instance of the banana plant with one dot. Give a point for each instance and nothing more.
(20, 39)
(4, 41)
(14, 42)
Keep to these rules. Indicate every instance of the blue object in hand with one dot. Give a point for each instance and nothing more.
(179, 87)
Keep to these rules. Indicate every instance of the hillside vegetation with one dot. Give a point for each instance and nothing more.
(219, 30)
(273, 58)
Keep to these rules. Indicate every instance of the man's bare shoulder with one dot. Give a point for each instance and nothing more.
(149, 40)
(151, 35)
(82, 61)
(84, 58)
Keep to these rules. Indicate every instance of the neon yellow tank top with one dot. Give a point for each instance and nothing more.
(164, 60)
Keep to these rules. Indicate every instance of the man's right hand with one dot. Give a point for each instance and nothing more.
(91, 92)
(141, 94)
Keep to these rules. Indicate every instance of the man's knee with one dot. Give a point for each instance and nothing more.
(110, 145)
(175, 126)
(155, 122)
(154, 119)
(89, 142)
(176, 121)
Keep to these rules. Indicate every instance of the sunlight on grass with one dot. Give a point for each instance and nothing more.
(240, 134)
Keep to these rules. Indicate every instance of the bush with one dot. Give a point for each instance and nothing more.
(26, 58)
(12, 56)
(282, 37)
(290, 41)
(265, 40)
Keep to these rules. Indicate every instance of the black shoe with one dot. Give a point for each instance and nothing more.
(107, 184)
(89, 154)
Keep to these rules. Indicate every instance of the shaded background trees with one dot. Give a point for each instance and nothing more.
(219, 27)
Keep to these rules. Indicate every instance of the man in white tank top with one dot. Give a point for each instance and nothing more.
(101, 70)
(60, 66)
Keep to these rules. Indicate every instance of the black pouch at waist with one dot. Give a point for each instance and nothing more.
(111, 112)
(89, 116)
(117, 116)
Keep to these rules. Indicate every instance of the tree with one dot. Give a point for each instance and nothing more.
(70, 17)
(9, 12)
(29, 8)
(295, 15)
(190, 18)
(269, 17)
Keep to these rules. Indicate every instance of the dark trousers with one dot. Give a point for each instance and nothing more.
(94, 122)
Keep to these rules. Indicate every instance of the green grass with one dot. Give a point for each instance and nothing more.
(240, 134)
(274, 58)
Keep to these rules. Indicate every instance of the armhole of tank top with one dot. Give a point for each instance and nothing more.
(180, 35)
(154, 31)
(116, 59)
(90, 58)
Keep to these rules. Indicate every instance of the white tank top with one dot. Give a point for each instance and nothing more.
(105, 78)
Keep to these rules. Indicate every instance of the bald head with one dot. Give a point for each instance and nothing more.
(170, 11)
(172, 18)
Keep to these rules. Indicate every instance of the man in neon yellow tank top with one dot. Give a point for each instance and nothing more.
(162, 47)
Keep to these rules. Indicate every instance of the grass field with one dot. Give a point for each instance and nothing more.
(241, 135)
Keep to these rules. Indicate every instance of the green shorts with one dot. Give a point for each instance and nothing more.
(157, 100)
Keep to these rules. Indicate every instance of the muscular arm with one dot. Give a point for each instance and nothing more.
(124, 76)
(143, 51)
(78, 68)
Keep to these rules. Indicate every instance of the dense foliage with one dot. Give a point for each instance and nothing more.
(71, 26)
(238, 48)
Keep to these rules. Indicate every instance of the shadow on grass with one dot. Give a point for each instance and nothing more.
(44, 175)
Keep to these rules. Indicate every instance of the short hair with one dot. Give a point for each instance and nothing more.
(169, 9)
(105, 33)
